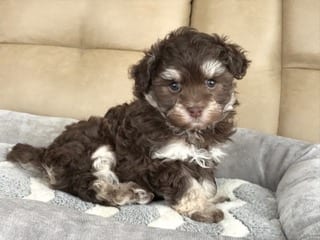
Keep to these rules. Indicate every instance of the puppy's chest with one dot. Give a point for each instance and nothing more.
(183, 151)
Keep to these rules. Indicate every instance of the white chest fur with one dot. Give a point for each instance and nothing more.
(180, 150)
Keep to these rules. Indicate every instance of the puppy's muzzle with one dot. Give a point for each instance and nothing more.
(195, 111)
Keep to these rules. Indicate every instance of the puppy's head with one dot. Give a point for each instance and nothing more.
(189, 77)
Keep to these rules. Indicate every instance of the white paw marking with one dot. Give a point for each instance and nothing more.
(103, 161)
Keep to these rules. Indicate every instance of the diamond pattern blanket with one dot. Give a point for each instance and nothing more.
(251, 212)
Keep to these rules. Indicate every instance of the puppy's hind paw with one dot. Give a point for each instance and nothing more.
(221, 199)
(214, 215)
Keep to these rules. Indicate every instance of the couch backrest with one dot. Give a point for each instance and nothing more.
(71, 57)
(300, 85)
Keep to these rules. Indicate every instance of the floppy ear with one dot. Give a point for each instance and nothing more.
(142, 73)
(233, 56)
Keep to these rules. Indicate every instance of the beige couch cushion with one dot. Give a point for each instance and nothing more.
(300, 104)
(260, 34)
(62, 81)
(119, 24)
(60, 58)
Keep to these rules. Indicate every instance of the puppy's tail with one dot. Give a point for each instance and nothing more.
(25, 154)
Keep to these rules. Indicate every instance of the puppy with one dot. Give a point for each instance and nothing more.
(165, 142)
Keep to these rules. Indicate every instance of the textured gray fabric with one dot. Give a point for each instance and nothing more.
(139, 214)
(69, 201)
(262, 159)
(26, 220)
(287, 166)
(299, 200)
(27, 128)
(263, 204)
(13, 182)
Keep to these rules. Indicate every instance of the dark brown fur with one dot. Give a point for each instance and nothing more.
(133, 131)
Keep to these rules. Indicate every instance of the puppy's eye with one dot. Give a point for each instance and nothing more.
(210, 83)
(175, 86)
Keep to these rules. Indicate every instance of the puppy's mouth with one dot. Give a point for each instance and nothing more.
(194, 117)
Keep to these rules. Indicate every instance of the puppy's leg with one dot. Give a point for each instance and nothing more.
(107, 187)
(91, 176)
(121, 194)
(195, 204)
(210, 189)
(176, 183)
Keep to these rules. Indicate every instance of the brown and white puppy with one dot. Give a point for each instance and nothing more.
(165, 142)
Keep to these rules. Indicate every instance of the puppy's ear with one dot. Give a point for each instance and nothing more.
(233, 56)
(142, 73)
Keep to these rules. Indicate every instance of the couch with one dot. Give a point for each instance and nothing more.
(68, 59)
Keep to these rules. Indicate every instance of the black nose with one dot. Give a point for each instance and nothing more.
(195, 112)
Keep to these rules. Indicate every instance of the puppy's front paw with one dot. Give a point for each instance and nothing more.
(139, 195)
(213, 215)
(142, 196)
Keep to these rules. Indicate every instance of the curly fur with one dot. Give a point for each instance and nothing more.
(111, 160)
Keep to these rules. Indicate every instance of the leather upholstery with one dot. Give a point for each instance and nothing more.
(71, 58)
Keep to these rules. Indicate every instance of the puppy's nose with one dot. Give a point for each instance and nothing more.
(195, 112)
